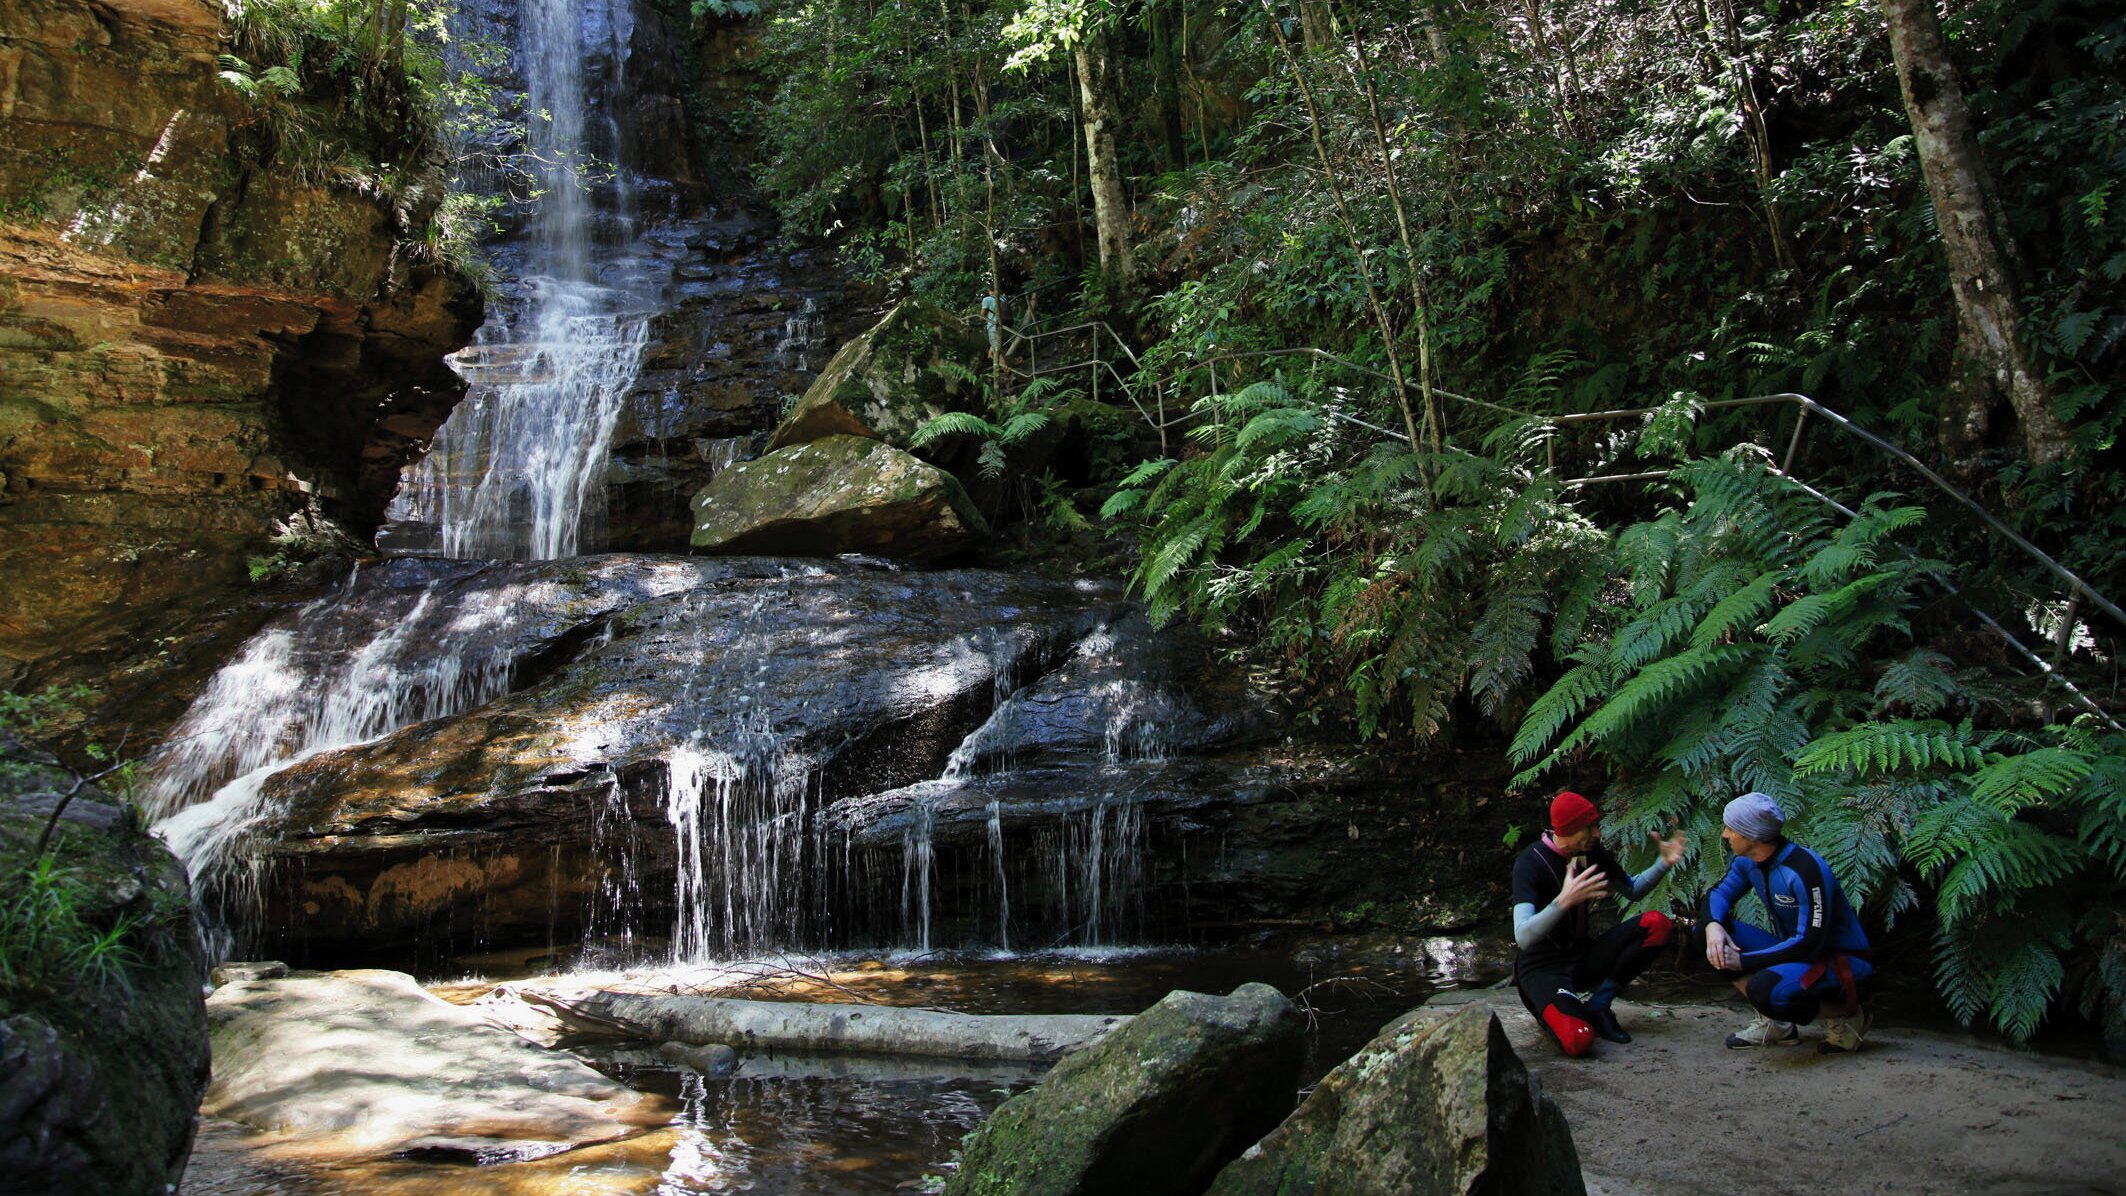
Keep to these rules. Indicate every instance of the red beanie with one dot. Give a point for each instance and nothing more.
(1570, 812)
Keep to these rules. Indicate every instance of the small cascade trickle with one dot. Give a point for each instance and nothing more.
(739, 808)
(919, 872)
(721, 453)
(1095, 862)
(800, 338)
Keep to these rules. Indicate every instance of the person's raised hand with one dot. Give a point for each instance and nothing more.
(1583, 883)
(1673, 847)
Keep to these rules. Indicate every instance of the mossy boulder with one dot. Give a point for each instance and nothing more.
(1157, 1106)
(102, 1064)
(1433, 1105)
(908, 369)
(834, 495)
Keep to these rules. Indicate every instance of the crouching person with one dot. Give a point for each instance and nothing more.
(1568, 976)
(1816, 955)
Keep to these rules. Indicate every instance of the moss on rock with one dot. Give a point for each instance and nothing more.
(833, 495)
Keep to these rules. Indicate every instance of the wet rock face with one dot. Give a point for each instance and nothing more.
(1433, 1106)
(190, 347)
(730, 753)
(1157, 1106)
(98, 1082)
(834, 495)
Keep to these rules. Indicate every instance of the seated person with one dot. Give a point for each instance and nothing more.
(1555, 883)
(1815, 956)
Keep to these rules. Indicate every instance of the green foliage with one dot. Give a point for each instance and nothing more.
(1700, 684)
(1326, 542)
(49, 945)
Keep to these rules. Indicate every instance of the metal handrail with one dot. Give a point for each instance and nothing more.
(1805, 405)
(1808, 405)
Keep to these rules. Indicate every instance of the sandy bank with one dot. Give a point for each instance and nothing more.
(1917, 1111)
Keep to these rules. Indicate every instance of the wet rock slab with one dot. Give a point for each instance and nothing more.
(365, 1065)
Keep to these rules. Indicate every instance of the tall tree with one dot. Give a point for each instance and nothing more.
(1096, 99)
(1992, 361)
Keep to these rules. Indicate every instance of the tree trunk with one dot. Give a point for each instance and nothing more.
(1317, 25)
(1096, 69)
(779, 1025)
(1991, 360)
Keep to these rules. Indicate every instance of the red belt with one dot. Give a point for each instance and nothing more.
(1840, 965)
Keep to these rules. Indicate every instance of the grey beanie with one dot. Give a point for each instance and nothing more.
(1757, 815)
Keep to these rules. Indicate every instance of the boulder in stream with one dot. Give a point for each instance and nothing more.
(1156, 1106)
(834, 495)
(1431, 1107)
(889, 381)
(100, 1075)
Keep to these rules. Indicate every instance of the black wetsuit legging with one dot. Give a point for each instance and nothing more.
(1550, 988)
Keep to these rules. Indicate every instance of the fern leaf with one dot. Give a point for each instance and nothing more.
(954, 423)
(1559, 705)
(2012, 783)
(1879, 748)
(1738, 611)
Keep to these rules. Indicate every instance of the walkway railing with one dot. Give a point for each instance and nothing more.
(1091, 348)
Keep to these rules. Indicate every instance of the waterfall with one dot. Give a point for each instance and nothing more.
(293, 692)
(518, 471)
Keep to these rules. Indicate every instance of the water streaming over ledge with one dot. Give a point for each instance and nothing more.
(518, 472)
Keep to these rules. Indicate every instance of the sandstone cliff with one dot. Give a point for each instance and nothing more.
(192, 344)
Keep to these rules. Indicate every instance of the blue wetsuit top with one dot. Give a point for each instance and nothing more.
(1810, 914)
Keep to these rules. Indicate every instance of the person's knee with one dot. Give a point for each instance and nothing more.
(1780, 997)
(1573, 1034)
(1659, 928)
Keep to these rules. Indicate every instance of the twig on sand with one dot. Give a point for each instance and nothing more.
(1885, 1125)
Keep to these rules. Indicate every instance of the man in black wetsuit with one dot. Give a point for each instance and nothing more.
(1568, 977)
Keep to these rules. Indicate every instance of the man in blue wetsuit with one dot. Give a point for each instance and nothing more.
(1816, 954)
(1567, 976)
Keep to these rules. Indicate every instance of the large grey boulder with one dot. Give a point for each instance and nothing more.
(906, 370)
(1156, 1106)
(100, 1075)
(367, 1064)
(1432, 1106)
(834, 495)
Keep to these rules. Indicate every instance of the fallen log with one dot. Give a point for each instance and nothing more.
(751, 1026)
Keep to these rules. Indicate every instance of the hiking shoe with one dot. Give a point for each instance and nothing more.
(1605, 1025)
(1765, 1032)
(1842, 1035)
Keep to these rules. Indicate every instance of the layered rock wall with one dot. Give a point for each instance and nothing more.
(192, 345)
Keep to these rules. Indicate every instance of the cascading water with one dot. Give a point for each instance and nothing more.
(740, 816)
(292, 693)
(518, 472)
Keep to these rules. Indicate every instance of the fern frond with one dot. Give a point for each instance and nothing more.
(1880, 748)
(1559, 705)
(1656, 688)
(1739, 611)
(2013, 783)
(2023, 988)
(954, 423)
(1920, 682)
(1021, 426)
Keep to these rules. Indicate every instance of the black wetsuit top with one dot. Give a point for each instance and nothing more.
(1538, 878)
